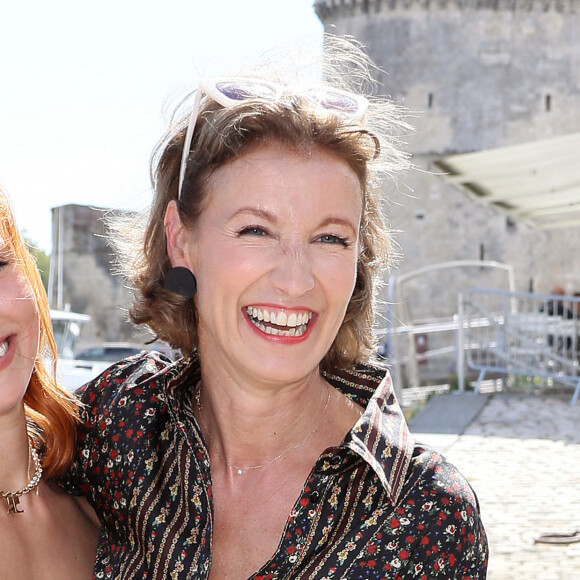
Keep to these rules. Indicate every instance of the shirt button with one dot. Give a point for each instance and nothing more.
(314, 497)
(336, 460)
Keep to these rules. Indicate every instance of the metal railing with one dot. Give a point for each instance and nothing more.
(525, 334)
(424, 328)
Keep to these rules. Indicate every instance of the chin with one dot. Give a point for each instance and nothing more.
(285, 372)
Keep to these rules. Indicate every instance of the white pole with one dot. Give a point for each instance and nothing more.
(460, 344)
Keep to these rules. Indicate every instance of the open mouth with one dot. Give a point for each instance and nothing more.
(4, 347)
(279, 323)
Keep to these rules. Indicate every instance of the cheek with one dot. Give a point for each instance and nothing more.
(233, 267)
(30, 313)
(37, 329)
(25, 303)
(216, 287)
(338, 275)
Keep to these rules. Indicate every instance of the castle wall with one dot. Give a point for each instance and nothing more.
(477, 75)
(81, 276)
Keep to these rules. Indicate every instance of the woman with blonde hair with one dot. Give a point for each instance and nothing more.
(44, 533)
(275, 448)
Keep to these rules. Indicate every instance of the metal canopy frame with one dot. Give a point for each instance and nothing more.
(537, 183)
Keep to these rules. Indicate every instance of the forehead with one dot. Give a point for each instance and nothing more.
(273, 164)
(297, 187)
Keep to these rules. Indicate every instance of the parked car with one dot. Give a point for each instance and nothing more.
(67, 328)
(109, 351)
(74, 370)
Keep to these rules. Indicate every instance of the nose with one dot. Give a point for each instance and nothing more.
(292, 273)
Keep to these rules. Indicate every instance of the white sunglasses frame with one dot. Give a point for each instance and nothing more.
(210, 89)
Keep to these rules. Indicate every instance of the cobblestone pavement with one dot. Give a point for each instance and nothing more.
(522, 456)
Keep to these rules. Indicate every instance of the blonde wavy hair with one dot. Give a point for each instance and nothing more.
(371, 147)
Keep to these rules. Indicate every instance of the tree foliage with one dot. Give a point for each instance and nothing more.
(42, 259)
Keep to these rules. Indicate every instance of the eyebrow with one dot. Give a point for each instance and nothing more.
(273, 218)
(261, 213)
(331, 220)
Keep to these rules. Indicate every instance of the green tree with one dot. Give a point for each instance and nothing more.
(42, 259)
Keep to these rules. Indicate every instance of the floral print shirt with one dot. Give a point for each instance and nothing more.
(375, 507)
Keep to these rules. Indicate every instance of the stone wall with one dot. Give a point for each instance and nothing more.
(476, 75)
(81, 272)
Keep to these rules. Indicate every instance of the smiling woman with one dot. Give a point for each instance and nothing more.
(287, 248)
(275, 448)
(40, 527)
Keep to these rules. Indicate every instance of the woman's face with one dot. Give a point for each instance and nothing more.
(275, 257)
(19, 335)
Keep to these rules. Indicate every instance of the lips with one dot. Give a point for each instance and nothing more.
(279, 323)
(7, 350)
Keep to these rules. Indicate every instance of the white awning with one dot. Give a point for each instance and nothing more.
(537, 183)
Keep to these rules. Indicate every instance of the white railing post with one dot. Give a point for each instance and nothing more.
(460, 342)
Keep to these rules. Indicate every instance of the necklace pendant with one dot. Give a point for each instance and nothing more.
(13, 500)
(240, 471)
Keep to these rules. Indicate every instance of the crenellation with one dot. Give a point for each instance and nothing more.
(326, 9)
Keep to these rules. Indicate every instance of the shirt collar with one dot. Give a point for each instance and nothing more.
(380, 437)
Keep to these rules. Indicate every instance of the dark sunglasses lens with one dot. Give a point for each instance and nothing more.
(248, 90)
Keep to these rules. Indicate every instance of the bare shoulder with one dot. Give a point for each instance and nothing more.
(87, 510)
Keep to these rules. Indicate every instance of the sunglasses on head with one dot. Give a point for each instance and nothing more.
(229, 93)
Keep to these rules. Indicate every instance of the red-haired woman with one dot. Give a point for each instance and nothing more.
(44, 533)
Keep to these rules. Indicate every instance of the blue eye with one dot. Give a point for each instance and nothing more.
(332, 239)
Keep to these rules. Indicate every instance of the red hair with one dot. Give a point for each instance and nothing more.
(51, 412)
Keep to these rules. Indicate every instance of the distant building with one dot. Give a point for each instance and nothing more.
(480, 74)
(81, 278)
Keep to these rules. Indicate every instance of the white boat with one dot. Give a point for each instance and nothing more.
(71, 372)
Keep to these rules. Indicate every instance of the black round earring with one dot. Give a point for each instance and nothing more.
(181, 281)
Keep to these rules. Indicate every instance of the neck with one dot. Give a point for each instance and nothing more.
(246, 426)
(14, 452)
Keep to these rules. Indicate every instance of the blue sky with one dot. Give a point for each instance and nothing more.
(84, 85)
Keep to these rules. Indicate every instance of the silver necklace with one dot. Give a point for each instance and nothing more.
(241, 468)
(13, 497)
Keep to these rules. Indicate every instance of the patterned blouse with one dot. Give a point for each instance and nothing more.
(375, 507)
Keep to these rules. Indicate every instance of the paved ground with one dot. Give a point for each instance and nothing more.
(521, 453)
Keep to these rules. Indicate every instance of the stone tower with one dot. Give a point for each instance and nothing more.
(479, 74)
(81, 276)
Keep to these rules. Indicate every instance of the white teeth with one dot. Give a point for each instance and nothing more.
(297, 331)
(296, 324)
(4, 348)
